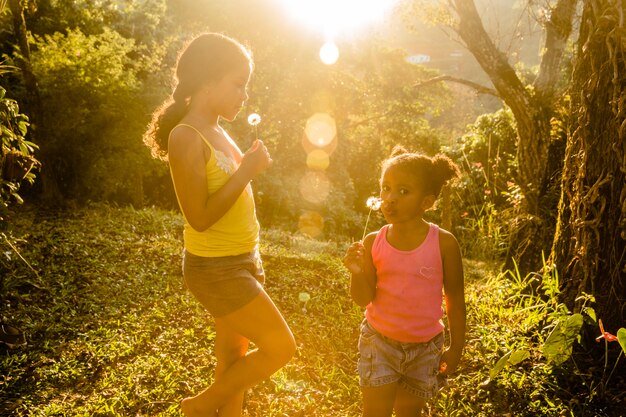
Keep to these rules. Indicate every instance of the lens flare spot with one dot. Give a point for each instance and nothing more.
(318, 160)
(314, 187)
(309, 147)
(311, 224)
(329, 53)
(320, 129)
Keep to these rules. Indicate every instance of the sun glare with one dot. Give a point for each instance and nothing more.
(329, 53)
(337, 16)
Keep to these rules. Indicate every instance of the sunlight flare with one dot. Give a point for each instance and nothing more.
(318, 160)
(332, 17)
(320, 129)
(329, 53)
(311, 224)
(314, 187)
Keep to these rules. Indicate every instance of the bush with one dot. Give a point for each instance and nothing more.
(486, 196)
(17, 162)
(94, 115)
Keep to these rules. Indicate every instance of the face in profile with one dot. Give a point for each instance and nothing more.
(228, 95)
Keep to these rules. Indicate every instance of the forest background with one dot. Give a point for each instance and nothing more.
(535, 120)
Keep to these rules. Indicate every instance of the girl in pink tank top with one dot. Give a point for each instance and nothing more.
(401, 275)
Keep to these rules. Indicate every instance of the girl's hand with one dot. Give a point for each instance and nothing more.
(256, 159)
(449, 361)
(355, 255)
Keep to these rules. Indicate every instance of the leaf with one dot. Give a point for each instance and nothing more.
(304, 297)
(621, 338)
(518, 356)
(558, 347)
(499, 366)
(511, 358)
(591, 313)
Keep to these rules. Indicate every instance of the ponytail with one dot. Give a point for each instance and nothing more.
(164, 119)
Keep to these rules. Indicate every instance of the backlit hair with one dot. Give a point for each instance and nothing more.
(208, 57)
(432, 173)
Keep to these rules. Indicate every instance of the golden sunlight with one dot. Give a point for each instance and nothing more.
(332, 17)
(329, 53)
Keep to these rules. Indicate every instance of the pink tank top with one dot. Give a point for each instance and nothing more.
(409, 289)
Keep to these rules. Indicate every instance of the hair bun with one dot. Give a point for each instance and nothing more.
(444, 168)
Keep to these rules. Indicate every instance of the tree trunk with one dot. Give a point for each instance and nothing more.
(589, 248)
(33, 107)
(533, 232)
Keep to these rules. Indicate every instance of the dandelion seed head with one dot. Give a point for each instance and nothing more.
(254, 119)
(374, 203)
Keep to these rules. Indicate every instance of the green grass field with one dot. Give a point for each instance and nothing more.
(111, 330)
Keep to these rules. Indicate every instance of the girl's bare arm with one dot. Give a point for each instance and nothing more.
(455, 298)
(186, 155)
(358, 260)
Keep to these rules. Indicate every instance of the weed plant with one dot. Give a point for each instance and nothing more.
(111, 331)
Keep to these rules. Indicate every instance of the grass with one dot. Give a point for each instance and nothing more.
(112, 332)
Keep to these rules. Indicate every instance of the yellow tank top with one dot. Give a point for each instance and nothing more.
(237, 231)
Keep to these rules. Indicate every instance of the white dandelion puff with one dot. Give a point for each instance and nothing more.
(254, 119)
(373, 203)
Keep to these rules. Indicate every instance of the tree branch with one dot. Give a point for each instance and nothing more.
(493, 61)
(481, 89)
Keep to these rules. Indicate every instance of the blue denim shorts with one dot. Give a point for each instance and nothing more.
(415, 366)
(223, 284)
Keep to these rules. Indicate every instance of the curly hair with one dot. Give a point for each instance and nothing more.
(432, 172)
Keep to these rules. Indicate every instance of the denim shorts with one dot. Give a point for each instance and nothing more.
(224, 284)
(415, 366)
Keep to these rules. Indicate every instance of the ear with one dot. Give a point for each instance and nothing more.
(428, 201)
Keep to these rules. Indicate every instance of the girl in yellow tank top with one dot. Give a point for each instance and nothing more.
(237, 231)
(211, 176)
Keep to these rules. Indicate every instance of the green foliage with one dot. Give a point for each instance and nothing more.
(537, 297)
(17, 162)
(621, 336)
(524, 352)
(486, 198)
(89, 88)
(511, 358)
(558, 346)
(104, 66)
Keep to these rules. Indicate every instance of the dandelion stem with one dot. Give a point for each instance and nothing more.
(366, 222)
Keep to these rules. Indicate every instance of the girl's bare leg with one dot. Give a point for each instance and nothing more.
(229, 348)
(407, 404)
(260, 322)
(378, 401)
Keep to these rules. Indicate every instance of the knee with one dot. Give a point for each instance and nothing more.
(227, 355)
(282, 349)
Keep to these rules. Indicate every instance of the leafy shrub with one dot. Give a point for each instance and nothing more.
(94, 114)
(486, 196)
(17, 162)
